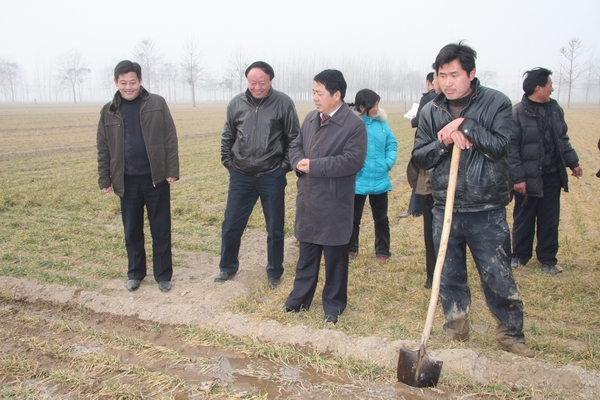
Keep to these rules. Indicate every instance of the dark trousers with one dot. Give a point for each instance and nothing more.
(140, 192)
(335, 291)
(244, 191)
(430, 259)
(488, 237)
(414, 206)
(379, 209)
(545, 211)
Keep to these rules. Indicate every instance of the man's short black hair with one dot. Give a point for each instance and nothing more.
(430, 77)
(333, 80)
(266, 68)
(534, 78)
(127, 66)
(465, 55)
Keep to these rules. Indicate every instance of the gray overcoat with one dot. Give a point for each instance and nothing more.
(325, 199)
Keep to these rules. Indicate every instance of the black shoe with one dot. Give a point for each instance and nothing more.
(133, 285)
(330, 319)
(164, 286)
(405, 215)
(516, 262)
(551, 269)
(274, 282)
(427, 284)
(224, 276)
(286, 309)
(417, 214)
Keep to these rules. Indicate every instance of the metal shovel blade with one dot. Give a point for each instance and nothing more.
(418, 371)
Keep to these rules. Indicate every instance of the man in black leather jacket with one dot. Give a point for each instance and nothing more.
(259, 127)
(478, 121)
(539, 153)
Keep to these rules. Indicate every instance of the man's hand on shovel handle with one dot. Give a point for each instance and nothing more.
(451, 134)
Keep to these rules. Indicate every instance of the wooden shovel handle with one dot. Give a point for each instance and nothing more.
(441, 257)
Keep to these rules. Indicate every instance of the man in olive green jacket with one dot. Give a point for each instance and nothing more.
(138, 160)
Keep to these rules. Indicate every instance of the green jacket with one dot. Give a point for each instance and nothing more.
(160, 137)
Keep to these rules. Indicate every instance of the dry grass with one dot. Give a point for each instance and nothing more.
(561, 320)
(56, 227)
(56, 357)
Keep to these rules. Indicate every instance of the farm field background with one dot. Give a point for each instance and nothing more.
(57, 228)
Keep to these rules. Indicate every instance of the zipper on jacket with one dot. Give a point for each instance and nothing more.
(256, 118)
(146, 144)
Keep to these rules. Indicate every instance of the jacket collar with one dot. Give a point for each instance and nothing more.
(116, 101)
(530, 103)
(442, 101)
(381, 115)
(251, 99)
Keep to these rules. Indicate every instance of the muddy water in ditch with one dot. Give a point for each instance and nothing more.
(214, 372)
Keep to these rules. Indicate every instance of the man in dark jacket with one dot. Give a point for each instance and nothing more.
(327, 154)
(426, 98)
(138, 160)
(419, 181)
(260, 125)
(415, 206)
(477, 120)
(539, 153)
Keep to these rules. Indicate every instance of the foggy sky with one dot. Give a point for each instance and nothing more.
(510, 36)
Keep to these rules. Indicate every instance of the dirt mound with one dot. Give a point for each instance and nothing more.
(202, 302)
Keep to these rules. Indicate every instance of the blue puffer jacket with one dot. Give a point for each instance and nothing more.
(382, 148)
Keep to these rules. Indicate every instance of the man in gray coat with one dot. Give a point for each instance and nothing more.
(328, 152)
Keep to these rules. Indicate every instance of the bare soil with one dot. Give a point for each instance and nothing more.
(196, 300)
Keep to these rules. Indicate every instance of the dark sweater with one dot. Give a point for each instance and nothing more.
(136, 157)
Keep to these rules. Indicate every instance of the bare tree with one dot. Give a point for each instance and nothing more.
(487, 77)
(72, 70)
(169, 74)
(106, 81)
(191, 64)
(211, 84)
(589, 77)
(42, 80)
(9, 74)
(147, 54)
(226, 84)
(236, 67)
(572, 70)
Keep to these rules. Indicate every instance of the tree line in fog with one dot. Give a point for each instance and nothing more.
(69, 78)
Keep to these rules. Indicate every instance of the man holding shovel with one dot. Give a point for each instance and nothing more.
(477, 120)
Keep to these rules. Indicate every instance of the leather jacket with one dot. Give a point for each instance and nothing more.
(160, 138)
(256, 138)
(483, 170)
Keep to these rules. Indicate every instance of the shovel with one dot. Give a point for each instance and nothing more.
(416, 368)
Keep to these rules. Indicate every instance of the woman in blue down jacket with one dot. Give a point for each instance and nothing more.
(373, 179)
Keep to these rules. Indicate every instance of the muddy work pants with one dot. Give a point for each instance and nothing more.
(488, 237)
